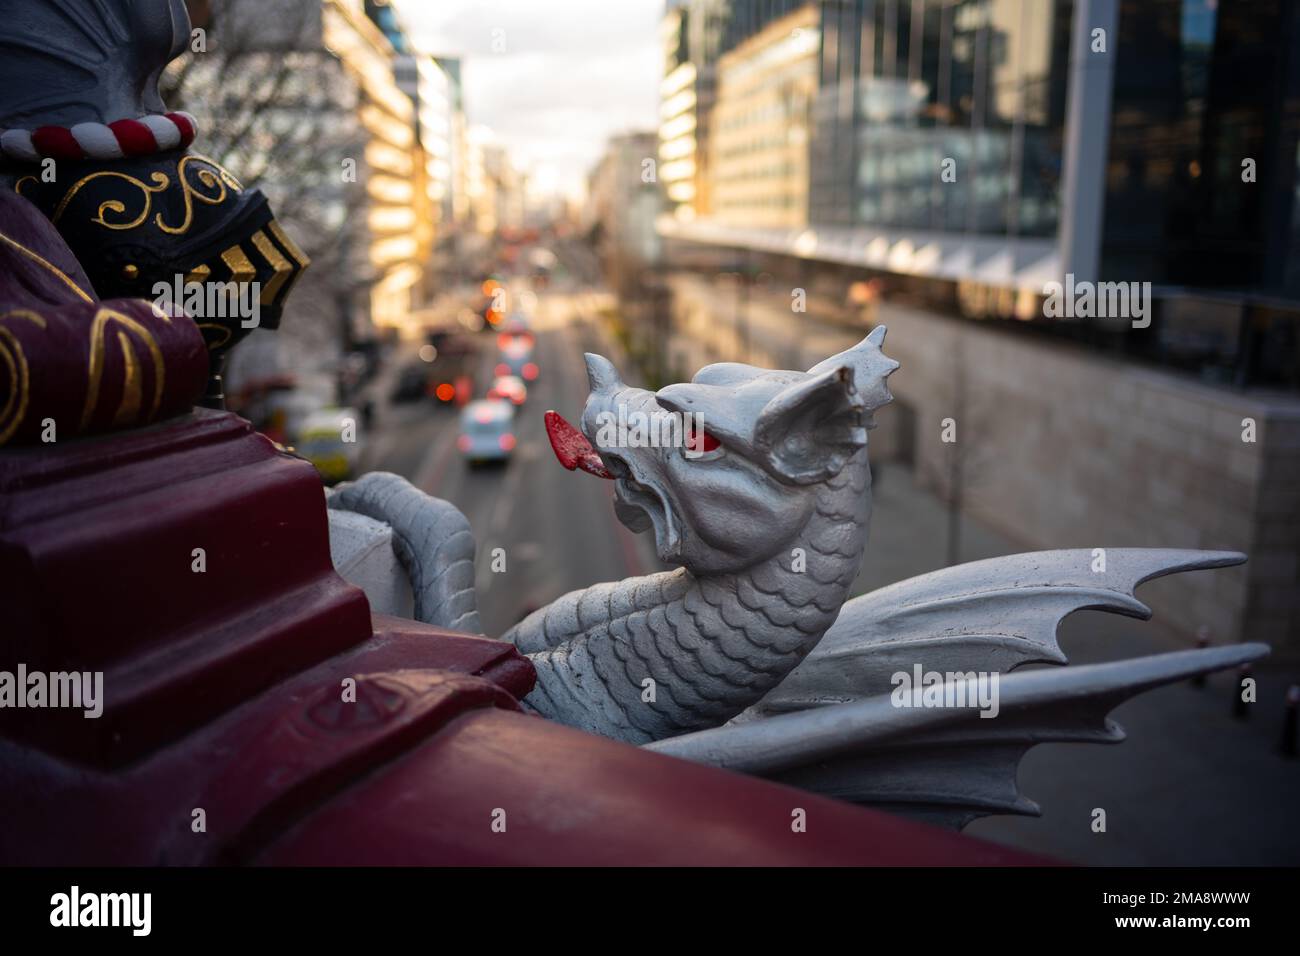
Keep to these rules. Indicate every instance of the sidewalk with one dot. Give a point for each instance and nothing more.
(1190, 786)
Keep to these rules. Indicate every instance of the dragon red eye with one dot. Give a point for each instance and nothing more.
(698, 440)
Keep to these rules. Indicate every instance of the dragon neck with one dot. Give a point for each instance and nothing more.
(666, 654)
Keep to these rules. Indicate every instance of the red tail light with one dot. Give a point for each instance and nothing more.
(530, 371)
(463, 443)
(506, 441)
(502, 369)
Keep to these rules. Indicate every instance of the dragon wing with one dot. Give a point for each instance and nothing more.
(991, 615)
(830, 726)
(949, 765)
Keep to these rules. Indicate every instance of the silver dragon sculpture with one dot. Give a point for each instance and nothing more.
(749, 654)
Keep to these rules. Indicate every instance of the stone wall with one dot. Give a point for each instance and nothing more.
(1062, 447)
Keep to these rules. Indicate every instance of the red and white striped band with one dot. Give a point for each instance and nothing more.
(127, 137)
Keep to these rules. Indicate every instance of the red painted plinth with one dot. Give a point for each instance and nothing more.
(255, 713)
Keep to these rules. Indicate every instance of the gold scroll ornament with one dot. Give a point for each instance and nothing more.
(215, 182)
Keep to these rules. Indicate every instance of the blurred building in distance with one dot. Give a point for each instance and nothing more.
(480, 189)
(497, 191)
(963, 156)
(624, 199)
(435, 96)
(456, 202)
(678, 159)
(369, 39)
(691, 33)
(299, 98)
(760, 124)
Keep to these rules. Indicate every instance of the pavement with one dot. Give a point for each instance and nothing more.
(1192, 785)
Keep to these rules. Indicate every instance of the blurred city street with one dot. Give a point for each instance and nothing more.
(557, 528)
(908, 284)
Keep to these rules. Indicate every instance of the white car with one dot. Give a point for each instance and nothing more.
(487, 431)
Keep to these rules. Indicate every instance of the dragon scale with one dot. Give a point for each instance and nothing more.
(712, 644)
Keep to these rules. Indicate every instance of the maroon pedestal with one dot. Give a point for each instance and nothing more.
(224, 697)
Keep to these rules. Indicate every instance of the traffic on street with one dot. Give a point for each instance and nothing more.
(524, 505)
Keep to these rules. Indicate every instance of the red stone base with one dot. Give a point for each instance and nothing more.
(226, 735)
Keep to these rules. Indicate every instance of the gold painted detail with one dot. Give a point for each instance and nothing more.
(199, 178)
(282, 266)
(241, 267)
(45, 263)
(15, 362)
(282, 237)
(210, 179)
(226, 334)
(224, 173)
(159, 180)
(129, 409)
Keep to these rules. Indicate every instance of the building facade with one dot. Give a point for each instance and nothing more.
(692, 36)
(624, 197)
(455, 203)
(680, 165)
(964, 155)
(390, 169)
(761, 125)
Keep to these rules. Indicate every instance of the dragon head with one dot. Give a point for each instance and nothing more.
(725, 468)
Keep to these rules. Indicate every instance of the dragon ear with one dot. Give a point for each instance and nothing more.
(870, 368)
(809, 430)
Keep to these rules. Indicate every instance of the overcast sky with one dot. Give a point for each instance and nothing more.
(572, 72)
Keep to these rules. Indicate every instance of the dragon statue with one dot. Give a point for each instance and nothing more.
(748, 655)
(222, 689)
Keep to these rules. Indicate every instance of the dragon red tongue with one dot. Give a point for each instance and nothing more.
(572, 448)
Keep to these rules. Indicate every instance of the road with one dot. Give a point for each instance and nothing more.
(556, 530)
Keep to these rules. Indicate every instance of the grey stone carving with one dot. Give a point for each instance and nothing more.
(431, 539)
(769, 531)
(747, 655)
(113, 51)
(944, 765)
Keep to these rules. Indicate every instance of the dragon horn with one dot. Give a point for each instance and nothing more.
(870, 368)
(601, 374)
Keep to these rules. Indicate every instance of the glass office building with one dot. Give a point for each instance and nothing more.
(909, 84)
(908, 88)
(1204, 89)
(976, 150)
